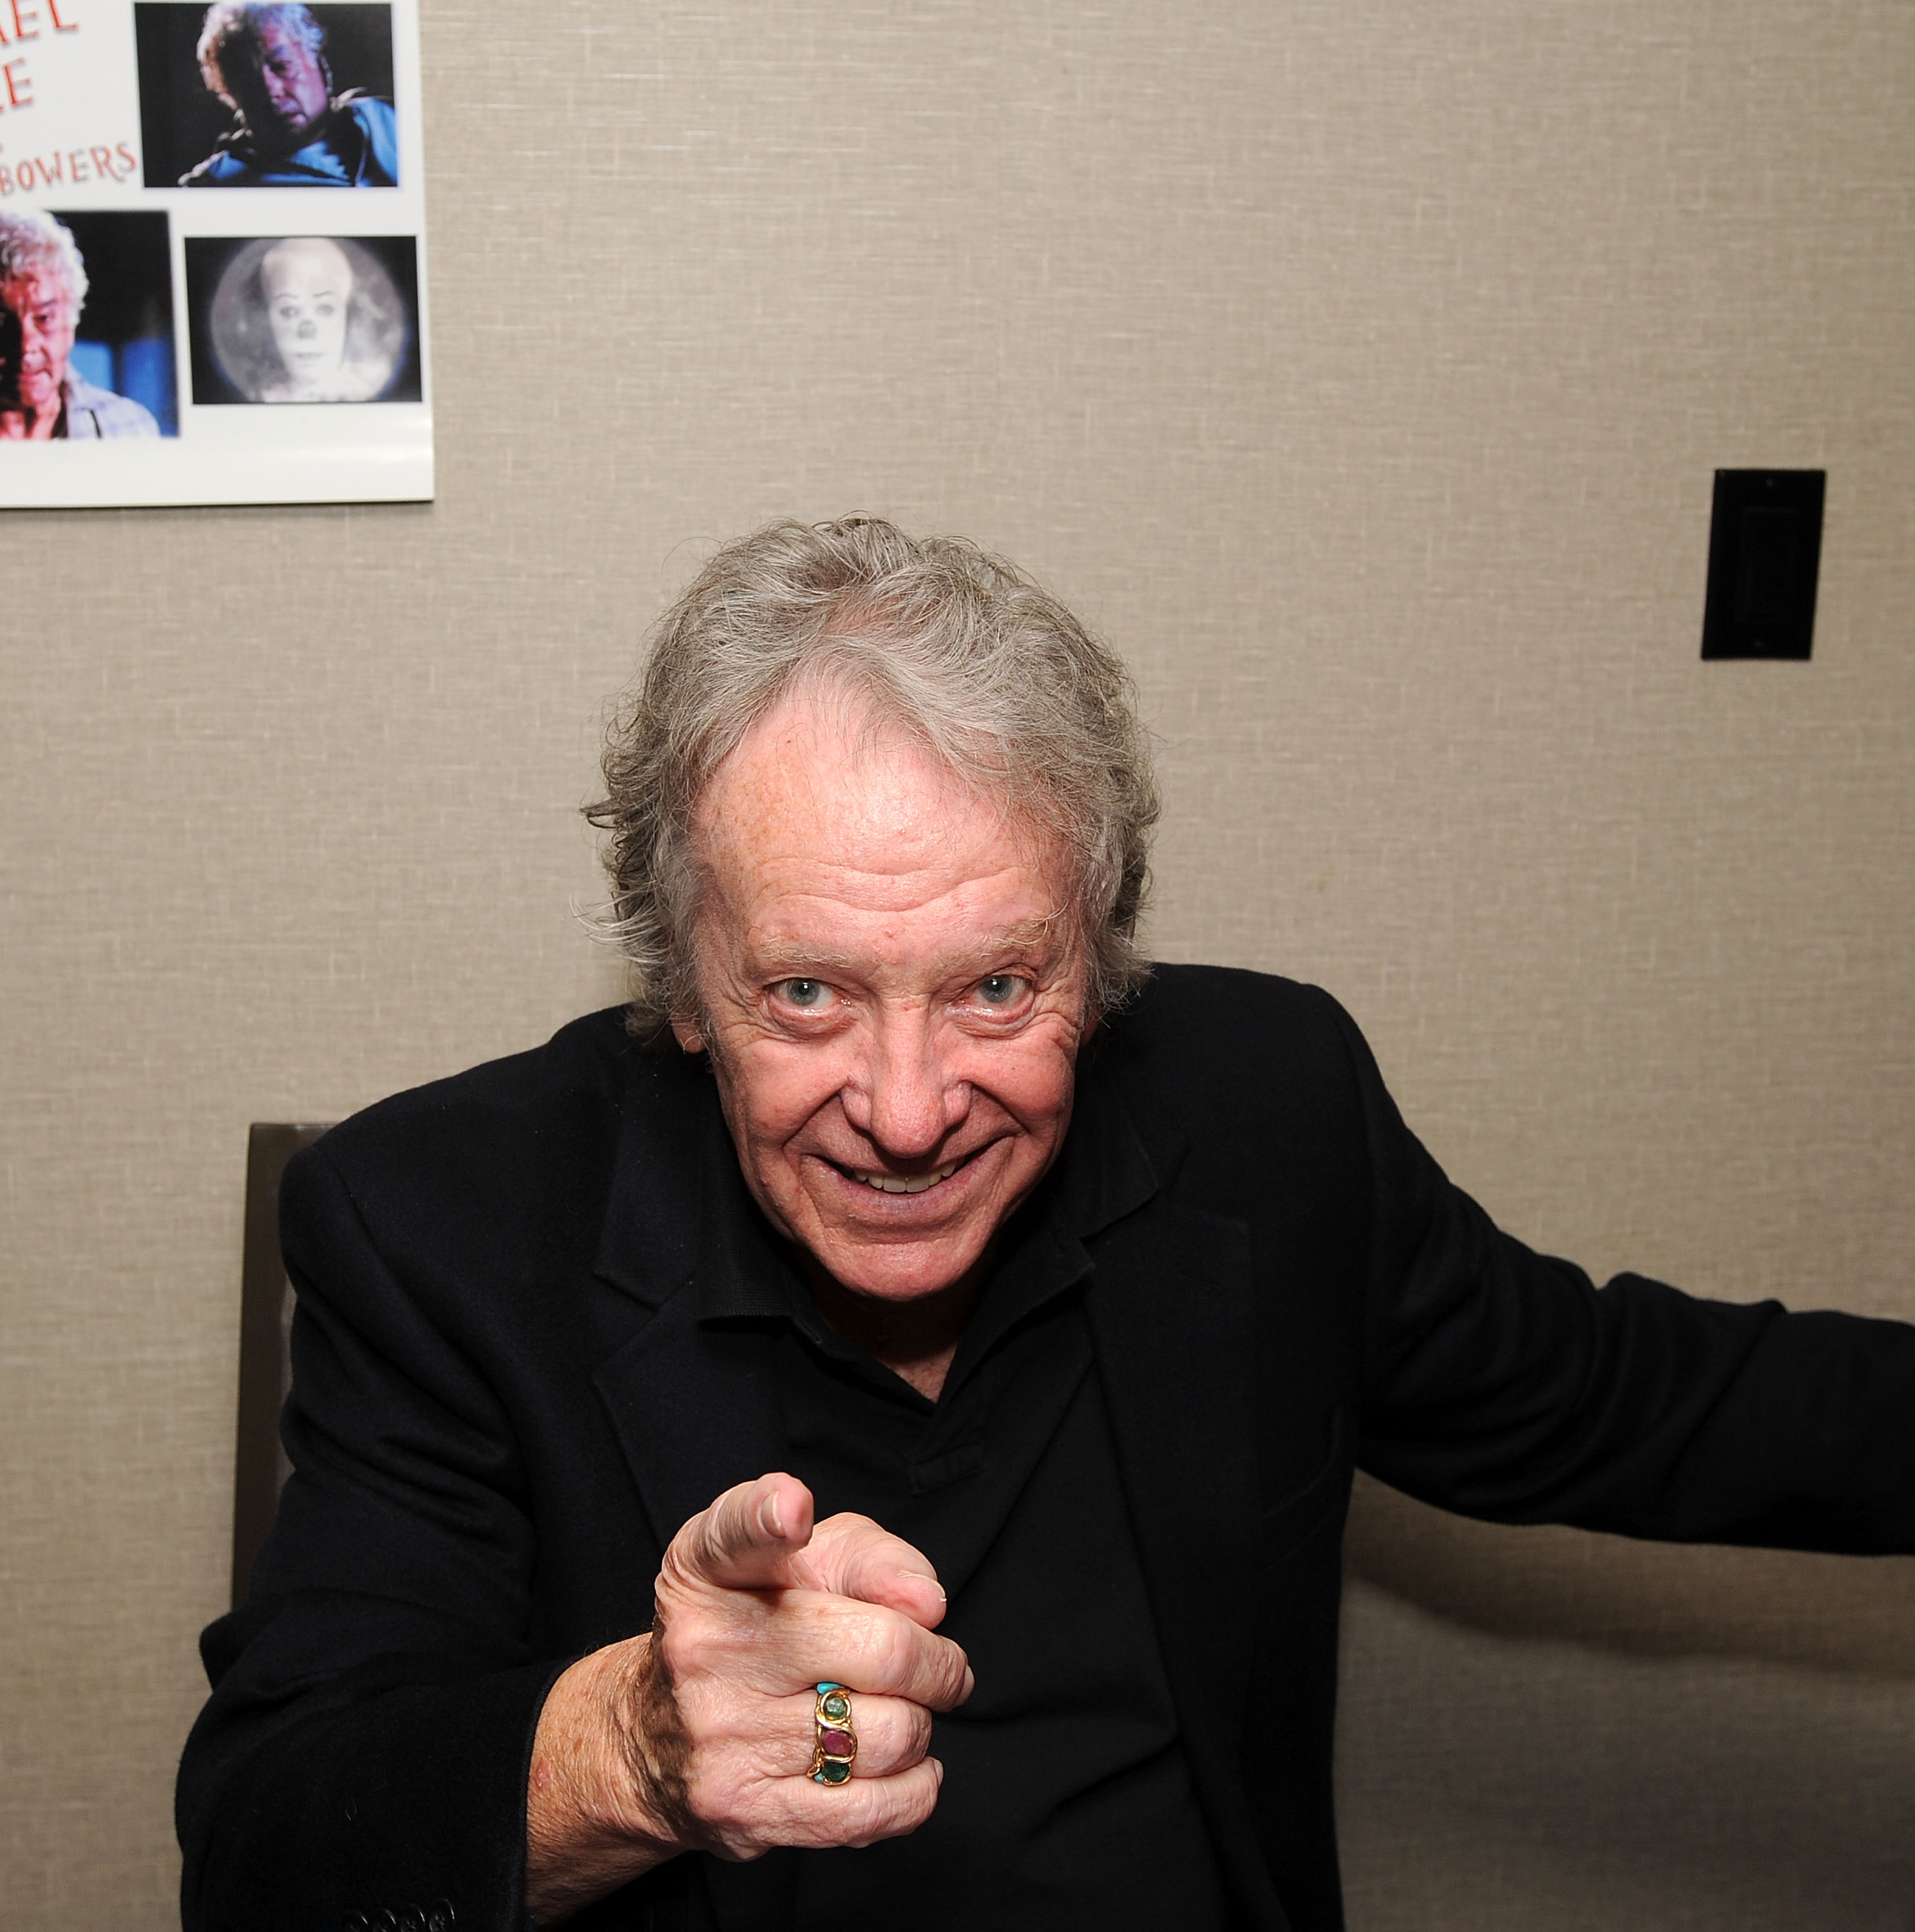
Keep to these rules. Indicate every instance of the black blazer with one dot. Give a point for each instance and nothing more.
(503, 1409)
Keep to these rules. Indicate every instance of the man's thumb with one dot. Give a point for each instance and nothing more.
(746, 1539)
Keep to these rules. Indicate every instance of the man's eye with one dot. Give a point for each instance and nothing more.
(809, 993)
(1001, 988)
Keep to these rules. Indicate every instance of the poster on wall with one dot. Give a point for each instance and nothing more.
(212, 253)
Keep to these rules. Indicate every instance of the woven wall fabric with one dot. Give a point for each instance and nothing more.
(1359, 368)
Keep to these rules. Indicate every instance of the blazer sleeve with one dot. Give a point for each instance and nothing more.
(364, 1752)
(1503, 1384)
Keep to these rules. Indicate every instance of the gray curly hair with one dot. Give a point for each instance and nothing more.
(231, 22)
(989, 670)
(31, 245)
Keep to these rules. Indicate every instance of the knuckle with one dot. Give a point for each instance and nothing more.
(710, 1631)
(917, 1732)
(952, 1663)
(684, 1642)
(848, 1523)
(894, 1648)
(897, 1738)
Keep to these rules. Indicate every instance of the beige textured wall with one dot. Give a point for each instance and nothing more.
(1360, 367)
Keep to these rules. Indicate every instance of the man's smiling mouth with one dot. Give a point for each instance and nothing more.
(903, 1183)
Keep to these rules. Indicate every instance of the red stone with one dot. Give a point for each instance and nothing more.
(837, 1744)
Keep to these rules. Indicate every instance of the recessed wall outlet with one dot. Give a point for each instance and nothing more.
(1765, 549)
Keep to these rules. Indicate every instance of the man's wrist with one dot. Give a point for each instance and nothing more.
(652, 1746)
(592, 1822)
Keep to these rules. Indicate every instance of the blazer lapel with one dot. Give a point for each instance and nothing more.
(1171, 1317)
(690, 1400)
(693, 1409)
(1172, 1320)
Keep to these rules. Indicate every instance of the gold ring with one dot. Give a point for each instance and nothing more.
(837, 1742)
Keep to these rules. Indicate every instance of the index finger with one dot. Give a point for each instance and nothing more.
(748, 1538)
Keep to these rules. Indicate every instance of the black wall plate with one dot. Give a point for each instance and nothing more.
(1765, 549)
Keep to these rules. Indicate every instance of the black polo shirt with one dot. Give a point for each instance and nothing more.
(1067, 1801)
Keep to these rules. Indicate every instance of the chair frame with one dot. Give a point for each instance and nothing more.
(265, 1323)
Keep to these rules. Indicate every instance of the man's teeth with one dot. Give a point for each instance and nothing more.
(909, 1183)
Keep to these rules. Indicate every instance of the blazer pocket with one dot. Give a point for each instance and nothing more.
(1297, 1515)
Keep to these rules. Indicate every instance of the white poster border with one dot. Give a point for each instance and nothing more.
(78, 63)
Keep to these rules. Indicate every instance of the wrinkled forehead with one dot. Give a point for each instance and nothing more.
(36, 289)
(819, 782)
(314, 268)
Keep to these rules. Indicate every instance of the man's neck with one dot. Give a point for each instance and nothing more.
(915, 1340)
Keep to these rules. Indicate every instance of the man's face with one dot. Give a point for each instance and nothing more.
(279, 86)
(38, 316)
(893, 1004)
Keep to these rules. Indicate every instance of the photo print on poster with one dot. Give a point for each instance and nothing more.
(146, 317)
(86, 335)
(304, 318)
(255, 94)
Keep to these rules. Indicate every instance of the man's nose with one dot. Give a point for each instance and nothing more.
(909, 1101)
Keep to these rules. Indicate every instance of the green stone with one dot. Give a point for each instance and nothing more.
(832, 1772)
(837, 1708)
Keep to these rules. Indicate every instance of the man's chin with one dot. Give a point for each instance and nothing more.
(274, 138)
(897, 1270)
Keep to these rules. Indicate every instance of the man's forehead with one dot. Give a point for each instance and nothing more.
(780, 943)
(807, 860)
(825, 833)
(818, 768)
(272, 41)
(36, 289)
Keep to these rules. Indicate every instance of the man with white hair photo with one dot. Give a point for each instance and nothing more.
(267, 62)
(860, 1435)
(43, 289)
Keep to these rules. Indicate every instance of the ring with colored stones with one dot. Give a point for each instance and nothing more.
(837, 1742)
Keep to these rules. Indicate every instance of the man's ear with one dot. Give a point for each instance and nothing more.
(687, 1032)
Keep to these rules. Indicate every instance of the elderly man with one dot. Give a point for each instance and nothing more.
(861, 1437)
(42, 288)
(267, 62)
